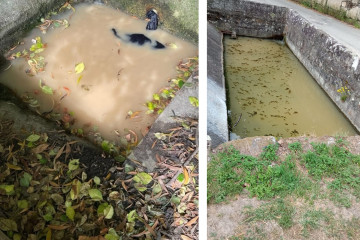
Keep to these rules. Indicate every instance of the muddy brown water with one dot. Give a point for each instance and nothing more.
(118, 77)
(274, 94)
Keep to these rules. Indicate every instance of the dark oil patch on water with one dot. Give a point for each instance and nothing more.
(274, 94)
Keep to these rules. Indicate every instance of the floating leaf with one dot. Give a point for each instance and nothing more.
(172, 45)
(33, 138)
(143, 178)
(25, 180)
(73, 164)
(79, 79)
(156, 97)
(70, 213)
(95, 194)
(79, 67)
(194, 101)
(8, 225)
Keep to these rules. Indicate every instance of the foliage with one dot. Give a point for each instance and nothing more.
(163, 97)
(34, 60)
(56, 197)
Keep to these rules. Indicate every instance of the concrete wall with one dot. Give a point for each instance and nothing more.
(217, 125)
(331, 63)
(247, 18)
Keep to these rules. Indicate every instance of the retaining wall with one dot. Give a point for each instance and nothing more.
(331, 63)
(217, 125)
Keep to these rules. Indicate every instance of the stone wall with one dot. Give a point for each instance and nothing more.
(331, 64)
(247, 18)
(217, 125)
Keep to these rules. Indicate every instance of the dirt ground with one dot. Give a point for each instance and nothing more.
(229, 220)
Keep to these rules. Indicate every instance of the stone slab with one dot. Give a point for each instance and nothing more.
(145, 153)
(217, 125)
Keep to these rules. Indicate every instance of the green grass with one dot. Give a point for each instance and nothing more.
(314, 219)
(230, 172)
(266, 177)
(279, 210)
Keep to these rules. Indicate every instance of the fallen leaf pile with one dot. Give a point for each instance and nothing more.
(46, 194)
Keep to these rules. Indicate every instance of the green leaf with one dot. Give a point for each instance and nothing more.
(180, 83)
(25, 180)
(175, 200)
(150, 106)
(47, 90)
(112, 235)
(97, 180)
(79, 68)
(33, 138)
(131, 216)
(22, 204)
(140, 187)
(8, 225)
(105, 145)
(95, 194)
(48, 217)
(156, 189)
(70, 213)
(9, 189)
(79, 79)
(156, 97)
(194, 101)
(73, 164)
(143, 178)
(172, 45)
(180, 178)
(106, 210)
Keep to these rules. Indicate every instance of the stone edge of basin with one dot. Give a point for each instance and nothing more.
(217, 124)
(144, 152)
(331, 63)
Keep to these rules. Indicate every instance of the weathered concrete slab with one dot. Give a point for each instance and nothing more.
(217, 125)
(247, 18)
(145, 152)
(19, 16)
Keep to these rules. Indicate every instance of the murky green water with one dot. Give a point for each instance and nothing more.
(274, 94)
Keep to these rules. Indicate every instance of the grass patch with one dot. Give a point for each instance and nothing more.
(337, 163)
(230, 172)
(279, 210)
(315, 219)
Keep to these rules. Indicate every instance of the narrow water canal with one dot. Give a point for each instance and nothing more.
(271, 93)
